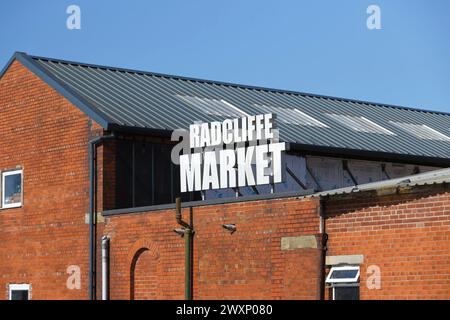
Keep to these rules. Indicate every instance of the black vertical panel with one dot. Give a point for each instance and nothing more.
(176, 185)
(185, 196)
(124, 156)
(142, 174)
(162, 174)
(172, 195)
(145, 175)
(196, 195)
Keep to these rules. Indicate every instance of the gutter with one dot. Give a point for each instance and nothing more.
(92, 213)
(327, 151)
(163, 133)
(309, 149)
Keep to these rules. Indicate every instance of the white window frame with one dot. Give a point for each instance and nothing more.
(343, 280)
(4, 175)
(17, 287)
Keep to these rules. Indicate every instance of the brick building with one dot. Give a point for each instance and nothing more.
(364, 211)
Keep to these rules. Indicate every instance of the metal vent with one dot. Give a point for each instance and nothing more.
(213, 107)
(291, 116)
(421, 131)
(359, 124)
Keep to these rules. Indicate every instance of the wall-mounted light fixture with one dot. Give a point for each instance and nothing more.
(180, 232)
(230, 227)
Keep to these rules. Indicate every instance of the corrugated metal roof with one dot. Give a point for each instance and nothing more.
(427, 178)
(120, 97)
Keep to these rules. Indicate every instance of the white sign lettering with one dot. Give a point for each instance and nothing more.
(255, 158)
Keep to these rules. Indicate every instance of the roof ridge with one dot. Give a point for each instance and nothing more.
(236, 85)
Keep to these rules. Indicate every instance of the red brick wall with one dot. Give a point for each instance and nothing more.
(248, 264)
(144, 276)
(44, 134)
(48, 137)
(406, 235)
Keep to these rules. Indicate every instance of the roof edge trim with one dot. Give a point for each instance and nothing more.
(73, 97)
(430, 178)
(10, 61)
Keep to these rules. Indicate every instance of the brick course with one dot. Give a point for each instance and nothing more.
(407, 235)
(248, 264)
(46, 136)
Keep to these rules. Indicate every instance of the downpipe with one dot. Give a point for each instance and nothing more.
(188, 234)
(105, 268)
(323, 249)
(92, 213)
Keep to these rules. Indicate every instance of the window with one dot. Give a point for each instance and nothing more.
(421, 131)
(12, 189)
(344, 282)
(19, 292)
(343, 274)
(292, 116)
(360, 124)
(346, 292)
(144, 175)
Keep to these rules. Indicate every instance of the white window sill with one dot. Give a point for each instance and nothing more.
(12, 207)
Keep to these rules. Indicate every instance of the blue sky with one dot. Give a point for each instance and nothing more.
(321, 47)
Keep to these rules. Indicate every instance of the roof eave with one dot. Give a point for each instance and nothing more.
(313, 149)
(165, 133)
(371, 155)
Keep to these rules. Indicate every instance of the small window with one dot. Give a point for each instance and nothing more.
(12, 189)
(19, 292)
(343, 274)
(344, 282)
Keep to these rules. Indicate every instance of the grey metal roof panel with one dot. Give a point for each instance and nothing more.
(428, 178)
(138, 99)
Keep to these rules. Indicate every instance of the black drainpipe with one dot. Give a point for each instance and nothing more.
(92, 215)
(323, 246)
(188, 247)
